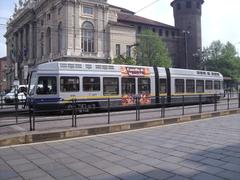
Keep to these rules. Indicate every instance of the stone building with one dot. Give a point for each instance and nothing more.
(94, 31)
(3, 70)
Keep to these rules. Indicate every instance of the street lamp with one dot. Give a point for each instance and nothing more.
(186, 33)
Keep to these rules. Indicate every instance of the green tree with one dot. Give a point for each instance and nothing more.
(123, 60)
(223, 58)
(151, 51)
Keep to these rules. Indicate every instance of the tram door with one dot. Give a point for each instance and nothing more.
(144, 90)
(128, 91)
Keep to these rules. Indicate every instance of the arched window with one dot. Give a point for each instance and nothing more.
(48, 41)
(60, 37)
(87, 37)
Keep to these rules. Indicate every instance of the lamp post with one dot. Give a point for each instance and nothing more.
(186, 33)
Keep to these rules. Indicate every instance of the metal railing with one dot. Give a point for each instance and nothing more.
(110, 111)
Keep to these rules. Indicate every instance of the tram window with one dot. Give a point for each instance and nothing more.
(190, 86)
(47, 85)
(69, 84)
(110, 86)
(128, 86)
(144, 85)
(179, 85)
(209, 85)
(91, 83)
(163, 86)
(200, 86)
(217, 85)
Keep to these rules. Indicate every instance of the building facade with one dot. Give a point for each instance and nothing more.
(3, 73)
(88, 31)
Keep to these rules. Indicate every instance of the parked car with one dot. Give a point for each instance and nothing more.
(21, 94)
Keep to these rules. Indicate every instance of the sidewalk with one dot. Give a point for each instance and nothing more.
(198, 150)
(20, 134)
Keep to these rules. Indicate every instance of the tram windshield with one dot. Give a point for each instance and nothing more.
(32, 83)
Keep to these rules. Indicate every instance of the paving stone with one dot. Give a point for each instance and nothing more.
(194, 157)
(142, 168)
(212, 162)
(214, 155)
(90, 171)
(42, 161)
(66, 160)
(177, 177)
(18, 161)
(14, 156)
(231, 166)
(104, 177)
(132, 175)
(116, 170)
(103, 164)
(127, 163)
(7, 174)
(33, 174)
(45, 177)
(191, 164)
(16, 178)
(24, 167)
(159, 174)
(210, 169)
(186, 172)
(229, 175)
(231, 159)
(204, 176)
(74, 177)
(35, 156)
(150, 161)
(168, 166)
(60, 173)
(51, 166)
(173, 159)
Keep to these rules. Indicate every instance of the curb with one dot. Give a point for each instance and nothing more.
(34, 137)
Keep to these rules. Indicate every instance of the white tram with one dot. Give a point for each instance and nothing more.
(58, 83)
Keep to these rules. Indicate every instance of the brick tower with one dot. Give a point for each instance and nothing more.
(187, 16)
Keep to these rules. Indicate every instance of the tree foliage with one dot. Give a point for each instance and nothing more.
(223, 58)
(123, 60)
(151, 51)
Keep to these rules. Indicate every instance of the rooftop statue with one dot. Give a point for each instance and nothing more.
(20, 2)
(15, 8)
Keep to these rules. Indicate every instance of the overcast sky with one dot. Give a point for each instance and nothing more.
(220, 19)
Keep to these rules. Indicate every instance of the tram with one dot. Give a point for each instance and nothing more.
(56, 84)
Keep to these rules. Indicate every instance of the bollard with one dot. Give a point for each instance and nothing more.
(228, 99)
(215, 102)
(108, 110)
(73, 113)
(16, 109)
(1, 101)
(239, 100)
(137, 108)
(162, 107)
(183, 107)
(33, 118)
(200, 103)
(30, 116)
